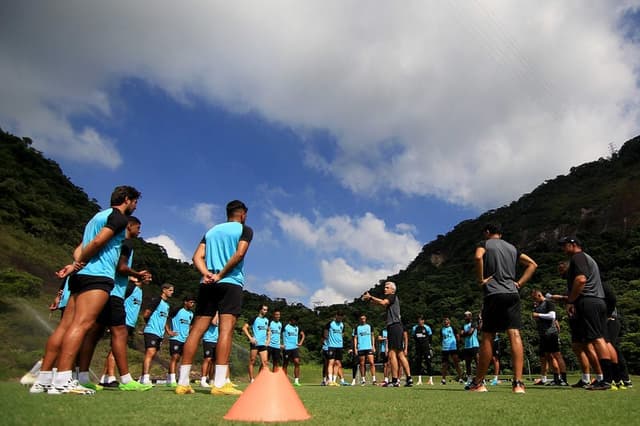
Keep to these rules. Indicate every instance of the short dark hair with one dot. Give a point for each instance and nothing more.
(166, 286)
(234, 206)
(570, 240)
(493, 228)
(121, 193)
(133, 219)
(420, 317)
(188, 298)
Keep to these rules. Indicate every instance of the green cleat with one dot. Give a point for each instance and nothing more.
(134, 386)
(92, 386)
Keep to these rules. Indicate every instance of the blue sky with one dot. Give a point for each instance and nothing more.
(355, 135)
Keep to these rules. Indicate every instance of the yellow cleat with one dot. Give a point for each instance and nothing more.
(227, 389)
(184, 390)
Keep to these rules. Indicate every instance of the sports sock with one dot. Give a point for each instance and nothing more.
(607, 366)
(83, 377)
(112, 379)
(104, 379)
(123, 379)
(62, 378)
(221, 375)
(185, 370)
(172, 378)
(45, 377)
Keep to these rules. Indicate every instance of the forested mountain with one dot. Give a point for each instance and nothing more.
(598, 201)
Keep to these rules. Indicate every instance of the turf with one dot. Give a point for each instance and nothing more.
(448, 404)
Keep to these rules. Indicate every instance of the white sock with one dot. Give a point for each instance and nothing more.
(586, 378)
(145, 379)
(36, 367)
(45, 377)
(295, 380)
(599, 377)
(172, 377)
(123, 379)
(62, 378)
(203, 379)
(104, 378)
(221, 375)
(185, 371)
(113, 378)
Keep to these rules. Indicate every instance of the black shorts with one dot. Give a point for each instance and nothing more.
(259, 348)
(175, 347)
(383, 357)
(291, 354)
(549, 344)
(495, 348)
(209, 350)
(335, 353)
(366, 352)
(223, 298)
(152, 341)
(275, 354)
(130, 330)
(469, 353)
(591, 313)
(325, 355)
(446, 354)
(112, 314)
(613, 331)
(394, 336)
(501, 312)
(81, 283)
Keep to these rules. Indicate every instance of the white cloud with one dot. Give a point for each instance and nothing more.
(285, 289)
(172, 249)
(204, 213)
(472, 102)
(374, 251)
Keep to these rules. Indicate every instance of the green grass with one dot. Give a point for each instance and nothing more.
(369, 405)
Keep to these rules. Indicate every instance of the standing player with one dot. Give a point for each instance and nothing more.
(181, 320)
(333, 333)
(471, 344)
(396, 332)
(544, 314)
(257, 340)
(95, 261)
(293, 338)
(421, 334)
(220, 259)
(155, 315)
(449, 349)
(364, 344)
(496, 261)
(209, 341)
(275, 340)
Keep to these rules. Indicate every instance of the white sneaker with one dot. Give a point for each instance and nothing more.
(28, 379)
(72, 386)
(204, 384)
(353, 382)
(419, 383)
(39, 388)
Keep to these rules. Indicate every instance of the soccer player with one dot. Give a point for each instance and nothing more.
(421, 334)
(449, 349)
(220, 259)
(334, 333)
(257, 339)
(496, 261)
(397, 344)
(544, 314)
(471, 344)
(586, 302)
(181, 320)
(155, 315)
(95, 261)
(274, 337)
(292, 338)
(364, 347)
(209, 341)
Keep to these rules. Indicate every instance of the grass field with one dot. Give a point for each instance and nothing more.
(369, 405)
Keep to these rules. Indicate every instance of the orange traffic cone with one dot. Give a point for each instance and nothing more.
(255, 405)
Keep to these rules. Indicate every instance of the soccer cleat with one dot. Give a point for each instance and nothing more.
(599, 385)
(539, 382)
(93, 386)
(621, 385)
(227, 389)
(184, 390)
(72, 387)
(430, 382)
(627, 383)
(134, 386)
(204, 384)
(517, 387)
(297, 384)
(171, 384)
(110, 385)
(39, 388)
(28, 379)
(494, 382)
(323, 383)
(409, 383)
(333, 384)
(476, 387)
(443, 382)
(614, 387)
(580, 384)
(343, 383)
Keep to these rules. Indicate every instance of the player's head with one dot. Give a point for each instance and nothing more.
(237, 210)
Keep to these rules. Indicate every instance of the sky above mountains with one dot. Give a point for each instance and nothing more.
(355, 131)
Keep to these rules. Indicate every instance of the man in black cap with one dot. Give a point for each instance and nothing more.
(586, 303)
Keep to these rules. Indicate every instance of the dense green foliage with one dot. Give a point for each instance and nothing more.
(598, 201)
(19, 283)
